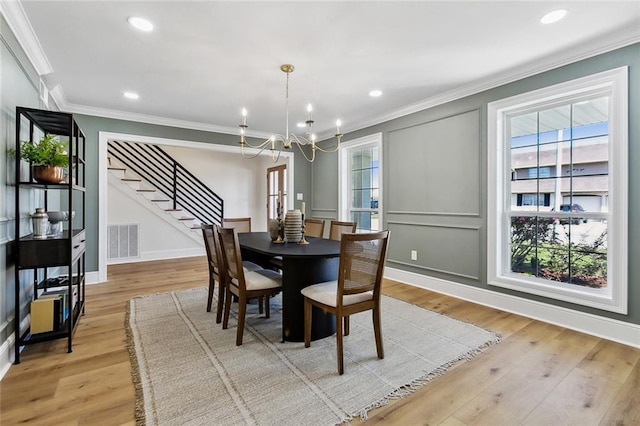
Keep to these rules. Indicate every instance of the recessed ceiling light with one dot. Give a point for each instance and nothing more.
(375, 93)
(140, 23)
(553, 16)
(131, 95)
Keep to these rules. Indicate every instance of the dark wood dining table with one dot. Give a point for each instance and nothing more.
(302, 265)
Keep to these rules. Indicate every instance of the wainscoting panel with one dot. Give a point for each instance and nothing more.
(446, 249)
(435, 167)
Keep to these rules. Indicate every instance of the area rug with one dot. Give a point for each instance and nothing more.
(188, 370)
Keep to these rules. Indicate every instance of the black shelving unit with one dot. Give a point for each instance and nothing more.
(61, 255)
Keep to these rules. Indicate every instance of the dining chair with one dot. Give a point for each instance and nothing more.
(314, 228)
(208, 233)
(336, 229)
(214, 257)
(242, 224)
(356, 290)
(264, 283)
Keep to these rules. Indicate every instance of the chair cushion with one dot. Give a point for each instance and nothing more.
(325, 293)
(250, 266)
(262, 279)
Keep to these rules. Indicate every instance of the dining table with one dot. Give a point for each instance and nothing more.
(302, 266)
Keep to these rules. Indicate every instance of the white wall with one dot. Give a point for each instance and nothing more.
(240, 182)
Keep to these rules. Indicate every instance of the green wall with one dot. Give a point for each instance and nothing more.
(92, 125)
(435, 182)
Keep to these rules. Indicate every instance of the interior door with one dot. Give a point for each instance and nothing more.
(276, 188)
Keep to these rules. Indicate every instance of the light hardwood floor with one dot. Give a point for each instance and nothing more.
(540, 374)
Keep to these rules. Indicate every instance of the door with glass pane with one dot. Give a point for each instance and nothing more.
(276, 189)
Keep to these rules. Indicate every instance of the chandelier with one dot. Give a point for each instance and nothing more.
(278, 142)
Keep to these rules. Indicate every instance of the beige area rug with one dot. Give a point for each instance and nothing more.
(188, 371)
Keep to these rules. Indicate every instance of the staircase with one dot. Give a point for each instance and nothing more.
(165, 184)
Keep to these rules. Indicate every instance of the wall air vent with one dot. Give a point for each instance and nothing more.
(123, 241)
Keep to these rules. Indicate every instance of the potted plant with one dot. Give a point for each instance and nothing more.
(48, 158)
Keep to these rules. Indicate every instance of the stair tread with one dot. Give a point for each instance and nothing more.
(116, 168)
(159, 201)
(172, 210)
(131, 180)
(145, 190)
(186, 218)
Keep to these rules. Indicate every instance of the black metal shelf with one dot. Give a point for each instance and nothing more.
(66, 251)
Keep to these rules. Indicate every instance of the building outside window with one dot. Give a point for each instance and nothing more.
(557, 197)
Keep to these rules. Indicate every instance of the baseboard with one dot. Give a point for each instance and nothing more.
(606, 328)
(6, 355)
(161, 255)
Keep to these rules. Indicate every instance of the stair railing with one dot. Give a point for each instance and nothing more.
(179, 185)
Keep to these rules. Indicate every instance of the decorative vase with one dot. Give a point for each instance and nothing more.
(40, 222)
(274, 229)
(48, 174)
(293, 226)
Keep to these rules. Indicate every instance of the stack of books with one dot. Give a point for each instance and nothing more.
(51, 309)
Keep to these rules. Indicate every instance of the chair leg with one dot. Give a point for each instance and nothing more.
(212, 283)
(346, 326)
(267, 308)
(221, 300)
(307, 323)
(377, 329)
(261, 305)
(339, 346)
(242, 312)
(227, 309)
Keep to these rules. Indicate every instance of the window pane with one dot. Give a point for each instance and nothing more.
(356, 179)
(366, 178)
(356, 160)
(356, 199)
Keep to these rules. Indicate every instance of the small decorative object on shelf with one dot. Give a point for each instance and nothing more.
(293, 226)
(48, 158)
(40, 222)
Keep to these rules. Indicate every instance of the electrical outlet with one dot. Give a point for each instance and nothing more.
(414, 255)
(299, 196)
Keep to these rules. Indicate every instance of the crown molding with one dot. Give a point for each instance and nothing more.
(19, 23)
(616, 40)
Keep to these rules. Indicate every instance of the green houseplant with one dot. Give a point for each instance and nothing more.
(48, 158)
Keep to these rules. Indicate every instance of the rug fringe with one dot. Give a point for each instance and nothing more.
(135, 371)
(416, 384)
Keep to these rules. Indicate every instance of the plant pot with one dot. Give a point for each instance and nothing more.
(48, 174)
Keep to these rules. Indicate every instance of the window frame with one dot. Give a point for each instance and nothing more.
(614, 84)
(344, 184)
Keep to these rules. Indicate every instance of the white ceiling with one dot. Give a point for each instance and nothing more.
(206, 60)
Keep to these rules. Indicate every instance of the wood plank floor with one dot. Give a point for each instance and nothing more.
(540, 374)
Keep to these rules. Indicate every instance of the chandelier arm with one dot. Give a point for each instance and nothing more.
(313, 151)
(261, 148)
(332, 149)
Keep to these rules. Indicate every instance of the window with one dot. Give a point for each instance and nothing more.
(360, 182)
(557, 198)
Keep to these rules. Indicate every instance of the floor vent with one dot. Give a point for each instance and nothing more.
(123, 241)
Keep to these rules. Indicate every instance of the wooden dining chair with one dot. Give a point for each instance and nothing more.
(356, 290)
(242, 224)
(336, 229)
(314, 228)
(208, 233)
(214, 257)
(264, 283)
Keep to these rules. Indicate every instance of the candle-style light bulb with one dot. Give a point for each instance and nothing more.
(313, 139)
(244, 116)
(338, 124)
(309, 109)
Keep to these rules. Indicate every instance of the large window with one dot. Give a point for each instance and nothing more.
(557, 222)
(360, 183)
